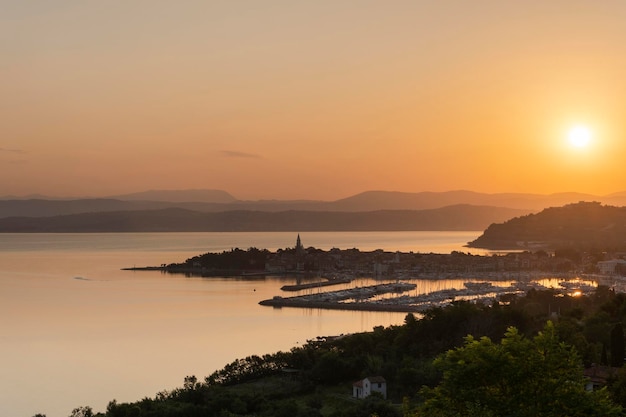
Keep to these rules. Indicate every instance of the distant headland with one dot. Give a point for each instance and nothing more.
(586, 226)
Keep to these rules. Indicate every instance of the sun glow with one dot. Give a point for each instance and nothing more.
(579, 136)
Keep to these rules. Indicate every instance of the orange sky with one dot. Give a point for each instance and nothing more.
(322, 100)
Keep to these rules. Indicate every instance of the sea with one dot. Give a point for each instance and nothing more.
(78, 330)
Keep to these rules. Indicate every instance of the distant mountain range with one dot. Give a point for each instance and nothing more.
(584, 225)
(176, 210)
(217, 200)
(179, 196)
(458, 217)
(172, 196)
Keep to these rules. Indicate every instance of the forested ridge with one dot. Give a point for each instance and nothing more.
(584, 225)
(522, 357)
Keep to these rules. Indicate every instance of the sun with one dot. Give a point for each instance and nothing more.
(579, 136)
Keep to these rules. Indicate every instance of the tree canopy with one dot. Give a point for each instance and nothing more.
(517, 377)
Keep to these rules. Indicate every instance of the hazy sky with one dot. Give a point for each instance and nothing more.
(311, 99)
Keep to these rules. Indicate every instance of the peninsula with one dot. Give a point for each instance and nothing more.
(394, 269)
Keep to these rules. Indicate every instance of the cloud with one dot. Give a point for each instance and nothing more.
(12, 156)
(7, 150)
(237, 154)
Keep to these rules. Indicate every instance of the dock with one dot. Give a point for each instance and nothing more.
(319, 284)
(350, 299)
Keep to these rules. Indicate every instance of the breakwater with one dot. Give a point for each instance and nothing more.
(319, 284)
(329, 305)
(350, 299)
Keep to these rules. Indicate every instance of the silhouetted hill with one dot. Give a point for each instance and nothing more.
(459, 217)
(179, 196)
(219, 201)
(426, 200)
(582, 225)
(31, 197)
(47, 208)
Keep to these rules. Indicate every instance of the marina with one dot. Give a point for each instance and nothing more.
(392, 297)
(350, 299)
(319, 284)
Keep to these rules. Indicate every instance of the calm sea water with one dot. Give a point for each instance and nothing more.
(77, 330)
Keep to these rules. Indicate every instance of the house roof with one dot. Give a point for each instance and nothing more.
(600, 373)
(371, 379)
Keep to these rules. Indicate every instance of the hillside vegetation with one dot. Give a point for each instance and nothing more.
(584, 225)
(462, 360)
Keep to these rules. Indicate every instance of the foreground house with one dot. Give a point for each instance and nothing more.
(598, 375)
(367, 386)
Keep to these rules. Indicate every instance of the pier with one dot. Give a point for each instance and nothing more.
(350, 299)
(319, 284)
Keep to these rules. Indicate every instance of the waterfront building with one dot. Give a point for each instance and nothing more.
(611, 267)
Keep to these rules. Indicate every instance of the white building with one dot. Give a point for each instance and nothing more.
(365, 387)
(608, 267)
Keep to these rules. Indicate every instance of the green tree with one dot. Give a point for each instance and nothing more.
(85, 411)
(517, 377)
(372, 406)
(617, 345)
(617, 387)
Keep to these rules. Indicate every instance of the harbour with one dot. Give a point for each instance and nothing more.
(110, 327)
(392, 297)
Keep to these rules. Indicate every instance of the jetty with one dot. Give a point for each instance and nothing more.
(350, 299)
(329, 282)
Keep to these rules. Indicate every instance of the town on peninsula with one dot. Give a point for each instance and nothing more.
(487, 277)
